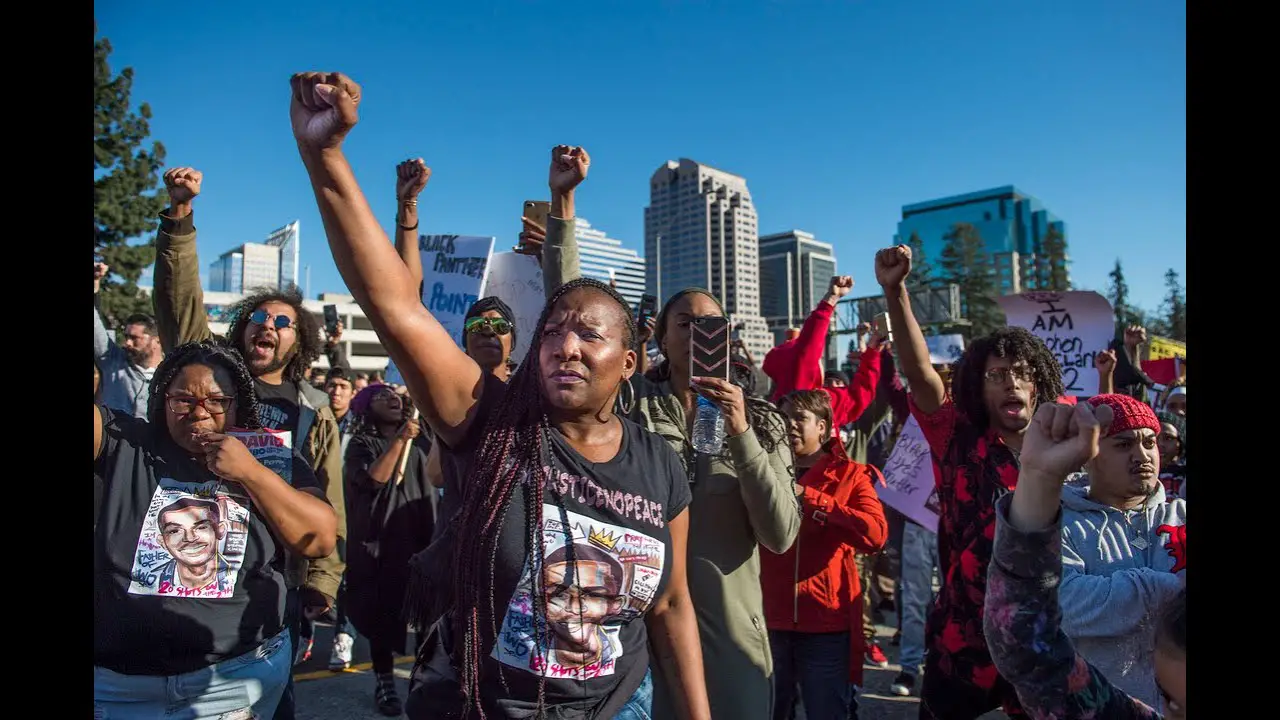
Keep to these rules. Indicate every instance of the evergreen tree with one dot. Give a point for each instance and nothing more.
(1125, 313)
(921, 275)
(964, 261)
(125, 176)
(1175, 307)
(1052, 261)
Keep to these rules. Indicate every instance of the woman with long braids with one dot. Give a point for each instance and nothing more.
(390, 517)
(189, 548)
(573, 521)
(744, 499)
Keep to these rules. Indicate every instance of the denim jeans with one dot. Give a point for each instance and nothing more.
(292, 622)
(247, 687)
(919, 561)
(640, 706)
(819, 664)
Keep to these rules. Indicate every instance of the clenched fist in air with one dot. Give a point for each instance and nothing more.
(892, 266)
(411, 178)
(322, 109)
(183, 184)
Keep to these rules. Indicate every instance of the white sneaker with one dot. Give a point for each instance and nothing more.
(340, 658)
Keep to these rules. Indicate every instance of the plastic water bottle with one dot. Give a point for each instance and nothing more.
(708, 427)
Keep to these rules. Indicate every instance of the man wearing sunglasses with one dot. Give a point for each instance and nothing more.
(279, 340)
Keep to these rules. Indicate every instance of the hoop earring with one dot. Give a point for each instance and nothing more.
(626, 406)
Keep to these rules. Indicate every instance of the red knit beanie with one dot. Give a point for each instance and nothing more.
(1127, 413)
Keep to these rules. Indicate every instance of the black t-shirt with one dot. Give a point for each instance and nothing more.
(154, 614)
(278, 406)
(609, 522)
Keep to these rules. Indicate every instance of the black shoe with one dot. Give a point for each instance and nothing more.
(903, 684)
(385, 698)
(897, 639)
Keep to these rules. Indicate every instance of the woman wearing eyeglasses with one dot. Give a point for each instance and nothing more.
(189, 548)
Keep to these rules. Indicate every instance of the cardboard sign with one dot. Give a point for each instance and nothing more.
(910, 486)
(517, 280)
(1075, 325)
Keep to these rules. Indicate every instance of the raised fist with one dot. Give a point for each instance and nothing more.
(892, 266)
(569, 167)
(322, 108)
(864, 328)
(411, 178)
(1135, 335)
(1105, 361)
(840, 286)
(183, 184)
(1061, 439)
(99, 272)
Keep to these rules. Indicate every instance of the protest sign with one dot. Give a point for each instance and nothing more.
(910, 487)
(272, 448)
(1075, 325)
(945, 349)
(453, 274)
(517, 280)
(1159, 348)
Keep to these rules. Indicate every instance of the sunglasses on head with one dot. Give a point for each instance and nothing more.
(260, 317)
(499, 326)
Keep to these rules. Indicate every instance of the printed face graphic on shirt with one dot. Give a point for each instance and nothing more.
(596, 578)
(192, 541)
(190, 531)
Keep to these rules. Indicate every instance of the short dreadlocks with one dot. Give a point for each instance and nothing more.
(310, 345)
(1020, 346)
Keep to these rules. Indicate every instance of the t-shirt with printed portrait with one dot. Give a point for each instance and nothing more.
(187, 572)
(606, 559)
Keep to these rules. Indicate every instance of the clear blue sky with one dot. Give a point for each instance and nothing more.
(837, 113)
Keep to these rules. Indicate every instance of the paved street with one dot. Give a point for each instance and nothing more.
(323, 695)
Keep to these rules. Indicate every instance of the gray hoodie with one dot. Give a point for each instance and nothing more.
(1117, 572)
(124, 386)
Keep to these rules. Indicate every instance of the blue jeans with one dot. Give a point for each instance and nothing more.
(919, 560)
(244, 688)
(640, 706)
(819, 663)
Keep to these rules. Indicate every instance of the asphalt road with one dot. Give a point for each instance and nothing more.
(325, 695)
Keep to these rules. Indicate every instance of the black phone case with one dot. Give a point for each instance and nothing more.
(709, 347)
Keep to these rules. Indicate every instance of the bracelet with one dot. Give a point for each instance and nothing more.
(409, 203)
(406, 227)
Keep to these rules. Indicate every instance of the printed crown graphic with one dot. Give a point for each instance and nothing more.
(606, 541)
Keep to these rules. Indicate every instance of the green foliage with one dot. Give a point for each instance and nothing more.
(1175, 307)
(125, 174)
(965, 261)
(1051, 263)
(1118, 294)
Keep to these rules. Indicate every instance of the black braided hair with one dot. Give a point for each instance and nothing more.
(769, 424)
(210, 353)
(1020, 346)
(516, 441)
(310, 344)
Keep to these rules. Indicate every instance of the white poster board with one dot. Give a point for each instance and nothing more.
(517, 280)
(945, 349)
(910, 487)
(453, 275)
(1075, 325)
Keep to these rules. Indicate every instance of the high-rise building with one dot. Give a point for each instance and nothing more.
(271, 263)
(700, 231)
(1012, 225)
(288, 240)
(246, 268)
(795, 271)
(599, 255)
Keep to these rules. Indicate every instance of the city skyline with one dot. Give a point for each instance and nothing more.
(1087, 113)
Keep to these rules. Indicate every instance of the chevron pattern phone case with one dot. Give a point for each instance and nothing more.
(709, 347)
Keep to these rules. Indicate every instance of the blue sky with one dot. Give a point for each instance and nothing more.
(837, 113)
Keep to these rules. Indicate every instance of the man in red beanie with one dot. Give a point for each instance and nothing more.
(1124, 550)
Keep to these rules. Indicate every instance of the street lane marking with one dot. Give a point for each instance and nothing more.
(354, 669)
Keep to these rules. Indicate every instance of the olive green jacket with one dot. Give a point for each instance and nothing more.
(181, 318)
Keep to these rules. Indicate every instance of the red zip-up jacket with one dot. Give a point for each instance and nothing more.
(797, 365)
(813, 587)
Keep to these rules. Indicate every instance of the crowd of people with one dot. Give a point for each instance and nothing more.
(548, 532)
